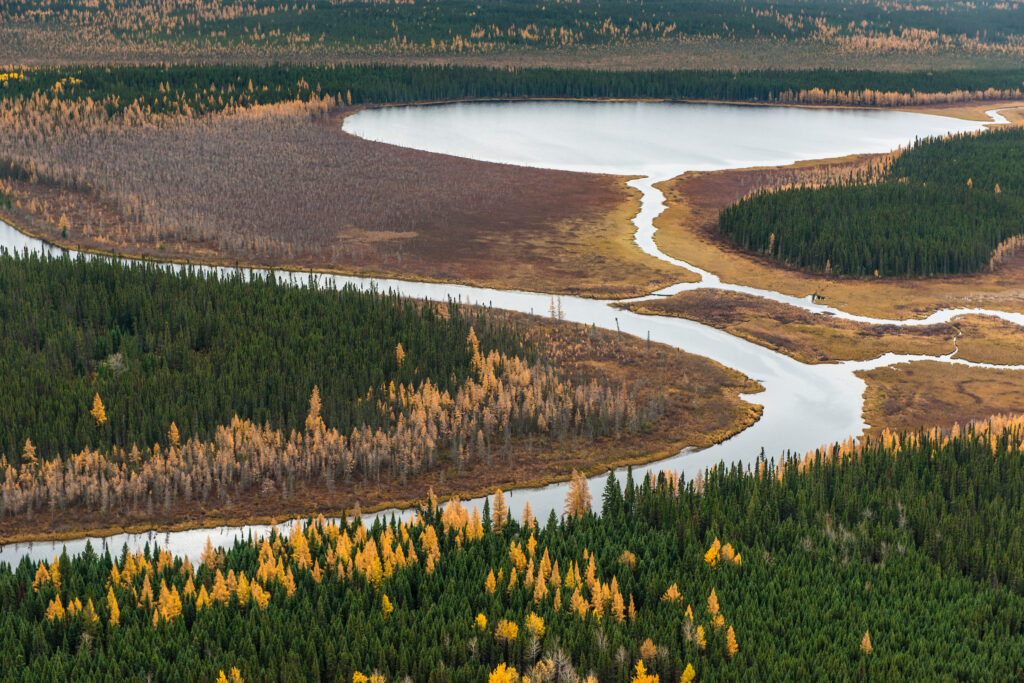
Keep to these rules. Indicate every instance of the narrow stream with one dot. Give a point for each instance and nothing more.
(805, 405)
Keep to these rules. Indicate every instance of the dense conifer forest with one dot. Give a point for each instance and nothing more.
(898, 558)
(131, 386)
(944, 206)
(197, 349)
(205, 88)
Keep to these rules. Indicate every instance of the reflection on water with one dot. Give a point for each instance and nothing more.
(657, 139)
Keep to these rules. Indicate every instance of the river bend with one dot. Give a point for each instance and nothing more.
(804, 405)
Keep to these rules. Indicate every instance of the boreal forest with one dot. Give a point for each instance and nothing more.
(811, 567)
(957, 202)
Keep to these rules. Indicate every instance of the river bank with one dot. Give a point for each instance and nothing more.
(702, 406)
(804, 406)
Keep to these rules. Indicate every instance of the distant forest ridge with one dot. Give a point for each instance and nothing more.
(202, 89)
(455, 27)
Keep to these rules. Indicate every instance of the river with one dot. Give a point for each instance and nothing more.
(804, 406)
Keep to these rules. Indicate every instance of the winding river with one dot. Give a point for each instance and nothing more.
(805, 405)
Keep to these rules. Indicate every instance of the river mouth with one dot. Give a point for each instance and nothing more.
(805, 406)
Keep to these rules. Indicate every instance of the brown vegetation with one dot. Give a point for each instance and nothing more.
(283, 185)
(250, 472)
(805, 336)
(989, 340)
(688, 230)
(930, 394)
(822, 338)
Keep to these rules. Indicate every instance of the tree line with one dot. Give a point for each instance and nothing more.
(946, 205)
(897, 556)
(207, 88)
(465, 25)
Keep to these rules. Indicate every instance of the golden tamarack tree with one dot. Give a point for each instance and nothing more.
(505, 397)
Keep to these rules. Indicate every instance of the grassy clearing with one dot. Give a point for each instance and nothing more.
(807, 337)
(285, 186)
(931, 394)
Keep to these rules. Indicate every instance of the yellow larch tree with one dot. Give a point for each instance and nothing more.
(55, 573)
(173, 437)
(865, 643)
(731, 646)
(490, 584)
(475, 529)
(529, 521)
(234, 676)
(540, 587)
(55, 610)
(711, 556)
(578, 499)
(259, 596)
(640, 674)
(375, 677)
(503, 674)
(618, 607)
(673, 595)
(499, 512)
(314, 423)
(220, 592)
(430, 544)
(28, 454)
(146, 596)
(713, 603)
(318, 573)
(203, 599)
(648, 650)
(535, 625)
(531, 545)
(112, 607)
(289, 583)
(243, 590)
(42, 577)
(385, 605)
(577, 604)
(506, 630)
(98, 412)
(169, 602)
(300, 547)
(209, 556)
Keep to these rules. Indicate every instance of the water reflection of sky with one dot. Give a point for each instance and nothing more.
(661, 139)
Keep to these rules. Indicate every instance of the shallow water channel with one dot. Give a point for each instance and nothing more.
(805, 406)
